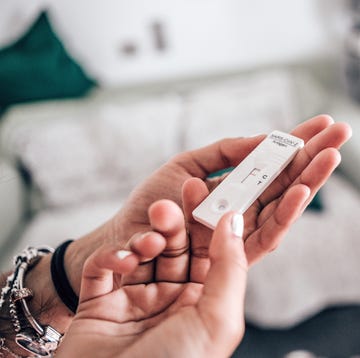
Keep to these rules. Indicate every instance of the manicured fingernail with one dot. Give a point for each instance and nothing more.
(237, 225)
(122, 254)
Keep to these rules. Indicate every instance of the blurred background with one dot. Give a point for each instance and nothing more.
(96, 95)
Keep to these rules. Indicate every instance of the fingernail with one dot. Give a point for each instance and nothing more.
(237, 225)
(122, 254)
(139, 237)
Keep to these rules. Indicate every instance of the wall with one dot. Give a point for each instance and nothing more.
(115, 39)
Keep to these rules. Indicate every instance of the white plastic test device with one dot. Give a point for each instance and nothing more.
(249, 179)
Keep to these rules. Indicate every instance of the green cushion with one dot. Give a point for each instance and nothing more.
(37, 67)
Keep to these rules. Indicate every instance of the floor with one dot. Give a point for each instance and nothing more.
(333, 333)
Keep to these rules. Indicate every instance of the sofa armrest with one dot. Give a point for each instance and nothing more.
(344, 109)
(12, 204)
(350, 153)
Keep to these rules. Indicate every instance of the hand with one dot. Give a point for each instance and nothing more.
(171, 315)
(268, 219)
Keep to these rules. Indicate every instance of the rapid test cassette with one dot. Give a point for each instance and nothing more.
(249, 179)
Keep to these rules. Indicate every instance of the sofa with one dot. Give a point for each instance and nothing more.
(68, 165)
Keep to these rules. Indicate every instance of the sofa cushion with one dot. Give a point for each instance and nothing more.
(12, 208)
(75, 152)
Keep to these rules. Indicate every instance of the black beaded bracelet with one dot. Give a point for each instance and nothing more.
(60, 279)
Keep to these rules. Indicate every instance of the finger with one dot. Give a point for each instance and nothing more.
(172, 264)
(315, 174)
(333, 136)
(230, 152)
(194, 192)
(222, 303)
(274, 227)
(97, 276)
(319, 170)
(147, 246)
(288, 207)
(307, 129)
(220, 155)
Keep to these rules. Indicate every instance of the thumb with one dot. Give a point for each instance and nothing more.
(222, 303)
(97, 276)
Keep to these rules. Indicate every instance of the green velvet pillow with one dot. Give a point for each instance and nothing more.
(37, 67)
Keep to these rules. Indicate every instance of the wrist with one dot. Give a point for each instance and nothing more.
(79, 250)
(46, 300)
(46, 304)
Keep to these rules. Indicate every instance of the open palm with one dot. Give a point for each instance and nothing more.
(170, 316)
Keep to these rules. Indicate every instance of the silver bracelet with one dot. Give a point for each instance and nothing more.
(40, 341)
